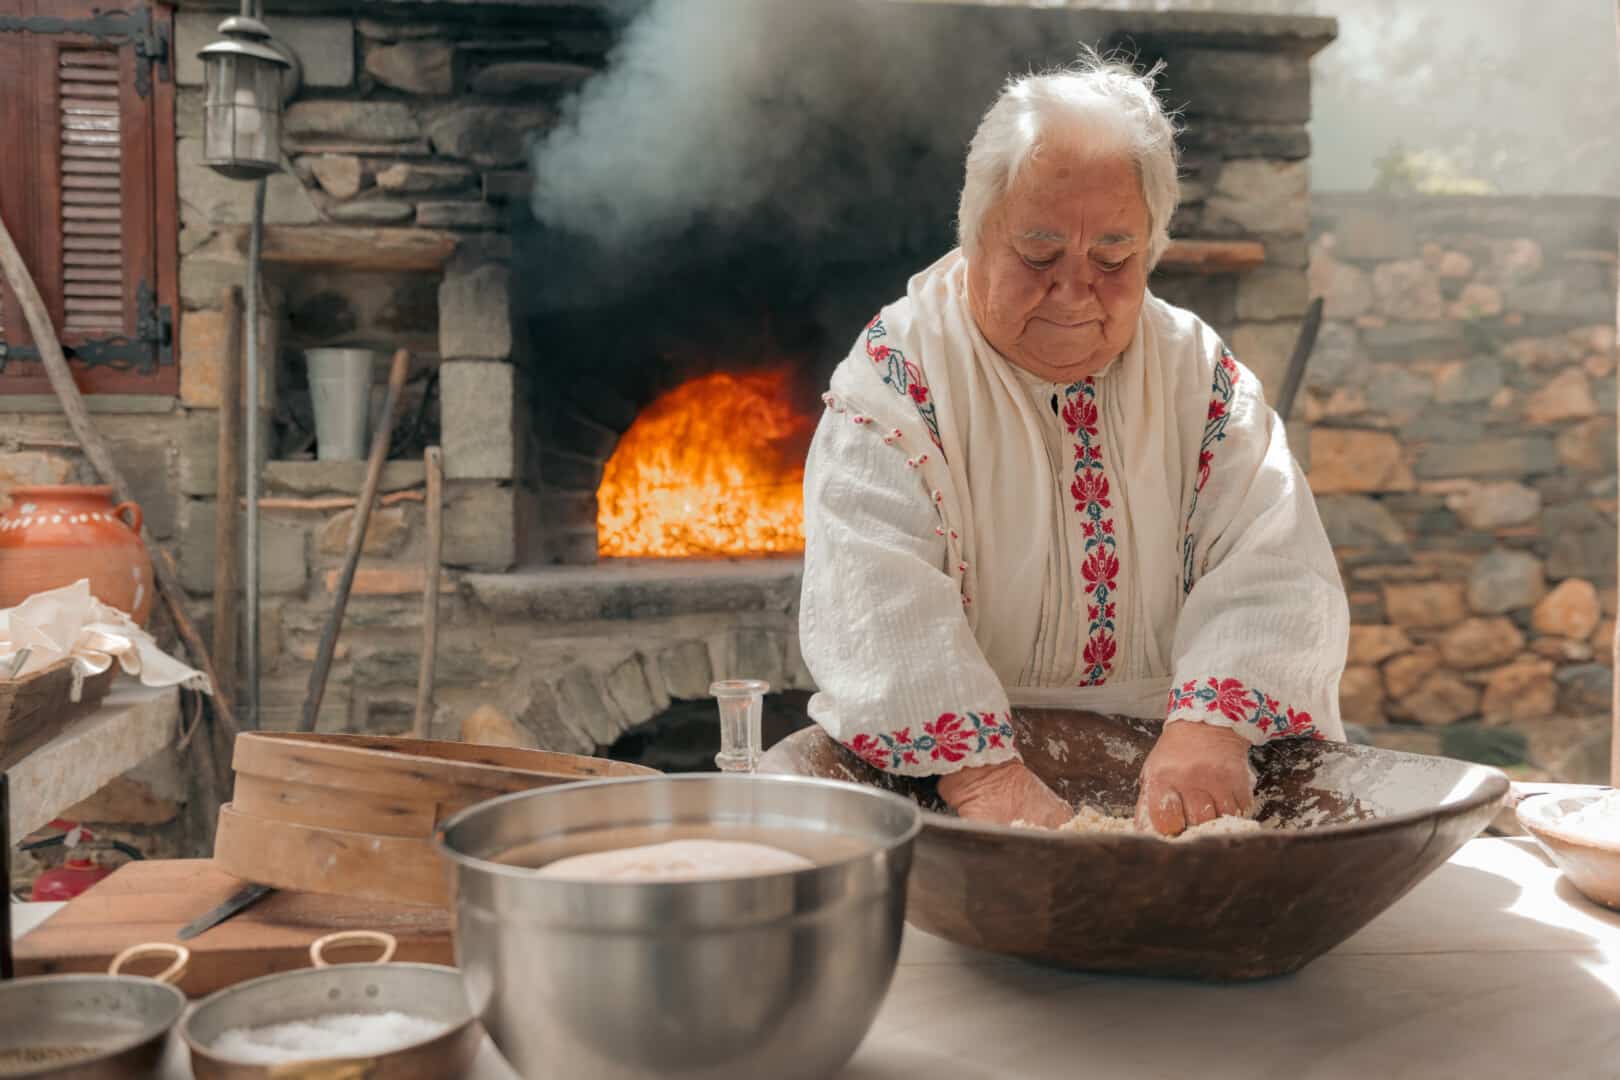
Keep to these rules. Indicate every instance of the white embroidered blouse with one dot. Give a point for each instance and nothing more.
(1140, 542)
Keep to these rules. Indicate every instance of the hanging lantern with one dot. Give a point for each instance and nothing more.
(245, 76)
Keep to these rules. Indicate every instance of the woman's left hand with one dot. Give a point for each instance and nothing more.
(1196, 773)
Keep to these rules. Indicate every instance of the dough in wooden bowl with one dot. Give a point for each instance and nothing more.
(677, 860)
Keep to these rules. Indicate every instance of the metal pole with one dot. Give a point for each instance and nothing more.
(250, 457)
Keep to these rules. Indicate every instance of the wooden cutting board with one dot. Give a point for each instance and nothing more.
(151, 900)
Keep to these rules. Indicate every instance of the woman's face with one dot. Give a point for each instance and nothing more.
(1060, 271)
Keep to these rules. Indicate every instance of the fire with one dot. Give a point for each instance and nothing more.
(714, 467)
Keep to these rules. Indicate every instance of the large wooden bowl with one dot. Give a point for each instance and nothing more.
(1369, 825)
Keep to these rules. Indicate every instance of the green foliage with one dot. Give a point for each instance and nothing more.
(1426, 172)
(1485, 745)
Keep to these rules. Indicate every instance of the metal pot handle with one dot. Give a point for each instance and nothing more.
(171, 974)
(318, 947)
(131, 514)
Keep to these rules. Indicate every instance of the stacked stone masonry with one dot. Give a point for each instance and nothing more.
(1458, 423)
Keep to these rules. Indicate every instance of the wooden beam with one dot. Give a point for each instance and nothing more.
(1212, 256)
(340, 248)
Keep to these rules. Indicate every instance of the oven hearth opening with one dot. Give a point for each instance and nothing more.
(712, 468)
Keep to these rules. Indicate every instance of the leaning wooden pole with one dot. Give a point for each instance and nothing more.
(357, 541)
(101, 458)
(211, 776)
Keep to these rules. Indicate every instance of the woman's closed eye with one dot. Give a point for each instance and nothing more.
(1039, 264)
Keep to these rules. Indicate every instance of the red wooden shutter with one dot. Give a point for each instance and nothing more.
(89, 191)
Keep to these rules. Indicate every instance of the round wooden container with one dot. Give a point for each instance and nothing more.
(354, 815)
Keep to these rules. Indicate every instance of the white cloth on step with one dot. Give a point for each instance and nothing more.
(70, 622)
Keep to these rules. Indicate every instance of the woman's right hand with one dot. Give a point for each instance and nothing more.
(1002, 794)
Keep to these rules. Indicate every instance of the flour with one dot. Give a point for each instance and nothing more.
(1596, 820)
(677, 860)
(336, 1036)
(1091, 821)
(1122, 750)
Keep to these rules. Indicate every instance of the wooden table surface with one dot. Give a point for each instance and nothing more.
(1493, 967)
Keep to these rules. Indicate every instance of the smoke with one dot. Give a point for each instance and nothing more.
(1523, 96)
(794, 112)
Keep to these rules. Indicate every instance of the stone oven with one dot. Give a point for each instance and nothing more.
(673, 382)
(728, 325)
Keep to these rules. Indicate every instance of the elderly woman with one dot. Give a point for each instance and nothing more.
(1037, 484)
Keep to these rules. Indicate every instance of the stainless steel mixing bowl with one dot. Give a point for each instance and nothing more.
(773, 976)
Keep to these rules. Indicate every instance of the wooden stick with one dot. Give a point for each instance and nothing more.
(213, 760)
(100, 456)
(336, 502)
(227, 556)
(357, 539)
(44, 444)
(1294, 377)
(433, 457)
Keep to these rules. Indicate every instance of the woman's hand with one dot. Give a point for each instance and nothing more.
(1196, 773)
(1003, 794)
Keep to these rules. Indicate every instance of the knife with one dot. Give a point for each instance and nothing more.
(240, 901)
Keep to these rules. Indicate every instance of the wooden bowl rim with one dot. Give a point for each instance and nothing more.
(1492, 791)
(1537, 823)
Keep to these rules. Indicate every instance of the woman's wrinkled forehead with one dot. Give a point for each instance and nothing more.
(1066, 194)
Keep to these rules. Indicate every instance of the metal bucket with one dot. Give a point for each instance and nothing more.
(340, 392)
(431, 991)
(91, 1027)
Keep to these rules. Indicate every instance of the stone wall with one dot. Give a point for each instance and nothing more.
(1459, 431)
(408, 136)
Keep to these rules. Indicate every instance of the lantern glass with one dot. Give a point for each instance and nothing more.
(242, 114)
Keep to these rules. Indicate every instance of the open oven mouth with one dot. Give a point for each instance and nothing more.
(676, 399)
(713, 468)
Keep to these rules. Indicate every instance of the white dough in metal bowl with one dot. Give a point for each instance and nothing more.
(677, 860)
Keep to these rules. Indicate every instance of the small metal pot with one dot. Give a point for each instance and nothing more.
(427, 990)
(91, 1027)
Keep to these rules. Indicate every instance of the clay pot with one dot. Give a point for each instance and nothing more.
(53, 536)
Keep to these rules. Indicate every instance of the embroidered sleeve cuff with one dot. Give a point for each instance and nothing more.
(1231, 703)
(951, 742)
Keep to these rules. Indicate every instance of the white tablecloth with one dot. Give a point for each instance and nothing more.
(1493, 967)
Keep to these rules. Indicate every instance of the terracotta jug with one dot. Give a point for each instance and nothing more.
(53, 536)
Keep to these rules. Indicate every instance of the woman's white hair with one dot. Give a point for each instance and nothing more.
(1095, 103)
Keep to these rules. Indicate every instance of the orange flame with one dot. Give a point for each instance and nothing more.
(714, 467)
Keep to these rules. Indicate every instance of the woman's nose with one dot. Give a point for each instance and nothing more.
(1076, 281)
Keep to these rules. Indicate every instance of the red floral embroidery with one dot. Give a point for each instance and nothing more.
(904, 376)
(951, 737)
(1091, 497)
(1220, 407)
(1243, 705)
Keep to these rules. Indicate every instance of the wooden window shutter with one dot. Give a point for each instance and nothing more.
(87, 188)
